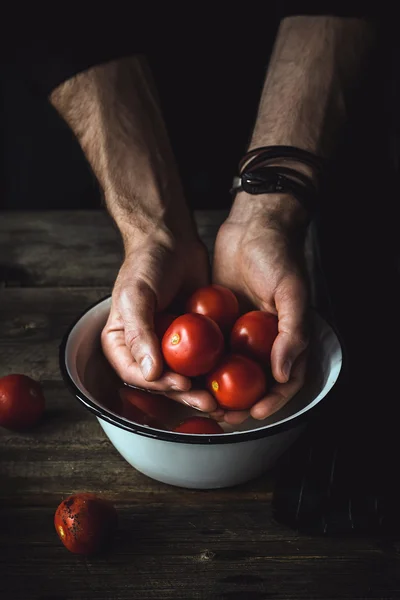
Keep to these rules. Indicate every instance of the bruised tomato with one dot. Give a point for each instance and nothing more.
(237, 383)
(199, 425)
(22, 402)
(217, 302)
(192, 345)
(253, 335)
(162, 321)
(85, 523)
(144, 408)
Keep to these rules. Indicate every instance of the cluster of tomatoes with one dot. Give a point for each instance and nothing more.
(225, 352)
(230, 351)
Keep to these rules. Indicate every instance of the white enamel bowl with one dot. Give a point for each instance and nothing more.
(186, 460)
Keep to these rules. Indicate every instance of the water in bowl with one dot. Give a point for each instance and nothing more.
(103, 384)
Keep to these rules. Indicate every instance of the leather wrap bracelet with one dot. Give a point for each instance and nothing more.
(258, 176)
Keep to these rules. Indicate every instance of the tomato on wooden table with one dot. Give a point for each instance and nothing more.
(237, 383)
(192, 345)
(85, 523)
(253, 335)
(199, 425)
(216, 302)
(22, 402)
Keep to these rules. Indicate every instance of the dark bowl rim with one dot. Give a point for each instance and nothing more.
(170, 436)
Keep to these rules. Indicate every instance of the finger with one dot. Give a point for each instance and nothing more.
(136, 305)
(236, 417)
(198, 399)
(122, 361)
(292, 339)
(218, 415)
(281, 393)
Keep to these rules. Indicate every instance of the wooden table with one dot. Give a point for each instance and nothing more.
(172, 543)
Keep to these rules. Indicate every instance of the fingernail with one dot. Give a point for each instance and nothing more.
(286, 369)
(191, 405)
(146, 365)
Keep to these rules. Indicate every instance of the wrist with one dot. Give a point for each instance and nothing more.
(154, 219)
(270, 210)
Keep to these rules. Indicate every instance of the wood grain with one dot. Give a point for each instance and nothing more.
(33, 323)
(168, 550)
(70, 248)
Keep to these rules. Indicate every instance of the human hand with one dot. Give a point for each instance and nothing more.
(259, 255)
(114, 111)
(157, 268)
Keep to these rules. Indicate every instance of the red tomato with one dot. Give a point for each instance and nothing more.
(199, 425)
(237, 383)
(192, 345)
(217, 302)
(253, 335)
(22, 402)
(145, 408)
(162, 321)
(85, 523)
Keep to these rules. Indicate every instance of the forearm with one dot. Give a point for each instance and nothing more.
(113, 110)
(315, 63)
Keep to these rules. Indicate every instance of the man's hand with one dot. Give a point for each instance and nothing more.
(157, 269)
(113, 110)
(259, 251)
(259, 255)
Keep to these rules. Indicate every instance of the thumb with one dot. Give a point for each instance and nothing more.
(137, 305)
(291, 301)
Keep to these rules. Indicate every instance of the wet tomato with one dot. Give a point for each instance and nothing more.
(217, 302)
(237, 383)
(253, 335)
(192, 345)
(144, 408)
(199, 425)
(22, 402)
(85, 523)
(162, 321)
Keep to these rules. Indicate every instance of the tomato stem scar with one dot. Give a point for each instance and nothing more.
(176, 338)
(215, 386)
(61, 531)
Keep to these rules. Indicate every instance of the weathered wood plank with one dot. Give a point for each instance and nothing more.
(32, 324)
(168, 550)
(70, 248)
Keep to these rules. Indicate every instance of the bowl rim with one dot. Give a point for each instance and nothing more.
(171, 436)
